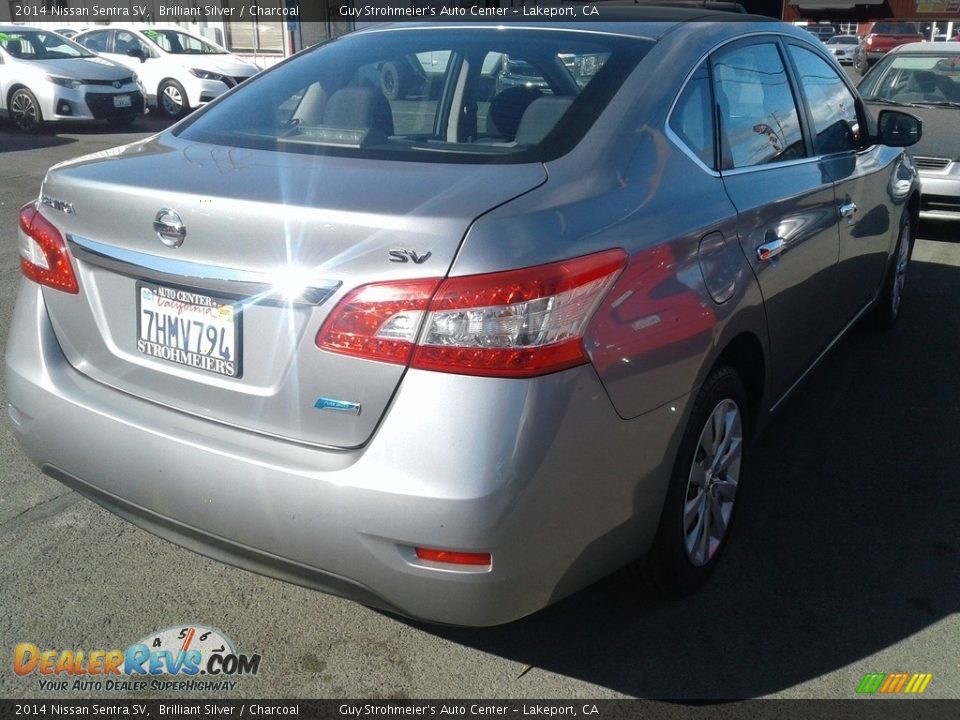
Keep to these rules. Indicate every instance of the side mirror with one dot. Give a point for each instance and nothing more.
(137, 53)
(898, 129)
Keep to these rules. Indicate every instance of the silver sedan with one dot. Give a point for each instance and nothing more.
(843, 47)
(44, 77)
(461, 352)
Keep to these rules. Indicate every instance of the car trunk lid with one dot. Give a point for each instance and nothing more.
(272, 242)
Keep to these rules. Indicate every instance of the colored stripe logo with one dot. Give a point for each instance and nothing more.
(894, 683)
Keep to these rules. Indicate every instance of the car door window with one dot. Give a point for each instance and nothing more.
(836, 126)
(125, 42)
(692, 119)
(759, 121)
(96, 41)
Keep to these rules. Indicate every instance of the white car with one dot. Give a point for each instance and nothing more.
(179, 71)
(45, 77)
(843, 47)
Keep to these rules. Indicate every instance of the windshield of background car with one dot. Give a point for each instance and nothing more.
(931, 78)
(40, 45)
(178, 43)
(884, 28)
(431, 95)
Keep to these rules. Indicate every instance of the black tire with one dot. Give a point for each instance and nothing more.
(390, 81)
(890, 300)
(172, 100)
(122, 122)
(671, 566)
(25, 111)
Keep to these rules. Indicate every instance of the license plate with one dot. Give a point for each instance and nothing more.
(122, 101)
(189, 328)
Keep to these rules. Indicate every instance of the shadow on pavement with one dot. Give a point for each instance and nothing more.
(846, 544)
(54, 134)
(940, 231)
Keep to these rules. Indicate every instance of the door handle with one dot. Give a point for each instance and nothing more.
(771, 249)
(847, 209)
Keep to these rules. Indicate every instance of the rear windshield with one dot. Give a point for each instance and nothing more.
(884, 28)
(438, 95)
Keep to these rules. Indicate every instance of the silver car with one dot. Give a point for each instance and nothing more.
(924, 79)
(844, 47)
(462, 353)
(45, 77)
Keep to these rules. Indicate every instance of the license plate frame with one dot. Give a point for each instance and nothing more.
(122, 101)
(199, 307)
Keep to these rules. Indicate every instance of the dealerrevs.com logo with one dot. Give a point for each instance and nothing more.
(200, 658)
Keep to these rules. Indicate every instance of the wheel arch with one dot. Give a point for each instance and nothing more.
(745, 354)
(13, 88)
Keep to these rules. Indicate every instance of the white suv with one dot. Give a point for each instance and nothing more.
(179, 71)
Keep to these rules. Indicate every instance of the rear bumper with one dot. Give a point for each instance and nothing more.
(540, 473)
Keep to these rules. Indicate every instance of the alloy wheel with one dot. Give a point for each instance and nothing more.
(23, 109)
(712, 483)
(172, 100)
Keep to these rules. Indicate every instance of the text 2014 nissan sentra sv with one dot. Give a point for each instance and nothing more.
(456, 320)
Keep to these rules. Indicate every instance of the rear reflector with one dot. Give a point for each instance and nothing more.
(43, 254)
(519, 323)
(454, 558)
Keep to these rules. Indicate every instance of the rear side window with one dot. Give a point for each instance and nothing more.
(437, 95)
(834, 109)
(692, 118)
(759, 121)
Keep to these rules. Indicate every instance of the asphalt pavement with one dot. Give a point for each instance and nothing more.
(846, 559)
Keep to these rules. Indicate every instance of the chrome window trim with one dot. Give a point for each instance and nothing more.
(500, 28)
(770, 166)
(255, 287)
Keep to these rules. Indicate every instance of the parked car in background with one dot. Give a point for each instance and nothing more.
(44, 77)
(881, 39)
(179, 71)
(924, 78)
(823, 33)
(843, 47)
(451, 363)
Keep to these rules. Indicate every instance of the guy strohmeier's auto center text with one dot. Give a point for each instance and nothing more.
(491, 709)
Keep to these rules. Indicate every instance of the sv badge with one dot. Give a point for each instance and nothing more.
(402, 256)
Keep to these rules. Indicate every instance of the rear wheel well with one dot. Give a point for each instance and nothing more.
(745, 355)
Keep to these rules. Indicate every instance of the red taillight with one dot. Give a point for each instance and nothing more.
(379, 321)
(43, 254)
(519, 323)
(452, 557)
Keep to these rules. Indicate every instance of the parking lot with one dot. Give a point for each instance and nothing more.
(846, 560)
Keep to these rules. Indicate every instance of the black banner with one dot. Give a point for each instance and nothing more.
(34, 12)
